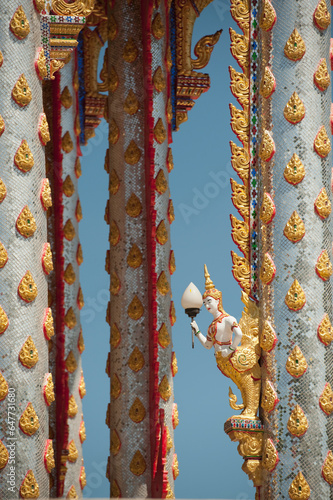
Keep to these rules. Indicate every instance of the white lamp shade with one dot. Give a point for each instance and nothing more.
(191, 297)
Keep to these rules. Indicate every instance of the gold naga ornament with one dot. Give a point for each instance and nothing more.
(68, 187)
(45, 194)
(66, 98)
(239, 86)
(19, 24)
(270, 456)
(267, 270)
(69, 274)
(134, 258)
(321, 76)
(163, 336)
(326, 399)
(325, 330)
(136, 361)
(67, 143)
(295, 47)
(322, 143)
(21, 92)
(82, 432)
(48, 326)
(25, 223)
(162, 284)
(40, 64)
(267, 209)
(115, 386)
(82, 478)
(29, 487)
(159, 80)
(43, 129)
(267, 83)
(115, 443)
(322, 204)
(72, 407)
(297, 424)
(268, 338)
(23, 158)
(294, 230)
(73, 454)
(132, 153)
(82, 387)
(47, 262)
(175, 467)
(3, 256)
(115, 337)
(28, 354)
(164, 388)
(240, 198)
(69, 230)
(268, 16)
(135, 309)
(72, 493)
(130, 52)
(172, 262)
(4, 322)
(322, 16)
(71, 363)
(327, 469)
(27, 288)
(267, 146)
(269, 398)
(296, 364)
(157, 27)
(3, 387)
(4, 455)
(49, 456)
(295, 298)
(138, 464)
(294, 110)
(299, 488)
(133, 206)
(80, 343)
(161, 182)
(294, 172)
(131, 104)
(137, 411)
(3, 191)
(324, 266)
(2, 126)
(48, 389)
(29, 423)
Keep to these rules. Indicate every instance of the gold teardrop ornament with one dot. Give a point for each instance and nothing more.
(23, 158)
(69, 230)
(82, 387)
(296, 364)
(322, 16)
(115, 443)
(172, 262)
(4, 322)
(134, 258)
(267, 83)
(325, 330)
(321, 76)
(29, 422)
(115, 284)
(170, 164)
(163, 336)
(132, 153)
(114, 130)
(294, 230)
(3, 191)
(40, 64)
(77, 168)
(269, 398)
(4, 455)
(171, 212)
(83, 479)
(72, 407)
(45, 194)
(67, 143)
(113, 79)
(322, 143)
(327, 469)
(69, 275)
(324, 266)
(66, 98)
(172, 313)
(114, 233)
(175, 467)
(72, 493)
(267, 210)
(299, 488)
(73, 454)
(135, 309)
(115, 386)
(159, 131)
(297, 424)
(161, 233)
(268, 16)
(161, 183)
(114, 182)
(294, 110)
(295, 47)
(175, 416)
(138, 464)
(322, 204)
(27, 288)
(80, 299)
(28, 354)
(78, 211)
(113, 28)
(48, 326)
(70, 318)
(267, 147)
(3, 388)
(115, 336)
(82, 432)
(159, 80)
(136, 360)
(294, 171)
(137, 411)
(162, 284)
(19, 24)
(68, 187)
(29, 487)
(174, 364)
(133, 206)
(267, 270)
(43, 129)
(270, 456)
(49, 456)
(169, 440)
(21, 92)
(25, 223)
(130, 52)
(47, 262)
(1, 59)
(80, 343)
(71, 363)
(3, 256)
(131, 104)
(2, 126)
(48, 389)
(326, 399)
(164, 388)
(157, 27)
(295, 298)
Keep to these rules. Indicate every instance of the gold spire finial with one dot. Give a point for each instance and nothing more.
(209, 285)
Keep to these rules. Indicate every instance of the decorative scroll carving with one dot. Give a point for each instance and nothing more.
(240, 124)
(241, 271)
(240, 161)
(240, 50)
(240, 235)
(240, 198)
(239, 87)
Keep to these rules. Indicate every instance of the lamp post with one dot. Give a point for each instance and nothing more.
(192, 302)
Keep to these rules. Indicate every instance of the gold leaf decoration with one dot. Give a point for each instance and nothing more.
(80, 343)
(132, 153)
(67, 143)
(325, 330)
(48, 326)
(49, 461)
(131, 104)
(157, 27)
(133, 206)
(40, 64)
(269, 398)
(48, 389)
(327, 469)
(162, 233)
(29, 487)
(82, 387)
(268, 338)
(3, 321)
(137, 411)
(115, 443)
(29, 422)
(45, 194)
(322, 16)
(2, 126)
(299, 488)
(82, 478)
(4, 455)
(21, 92)
(172, 262)
(71, 363)
(23, 158)
(115, 386)
(294, 110)
(268, 16)
(159, 80)
(134, 258)
(163, 284)
(322, 143)
(297, 424)
(47, 262)
(241, 271)
(159, 131)
(163, 336)
(322, 204)
(115, 336)
(80, 299)
(3, 256)
(70, 318)
(267, 83)
(294, 171)
(3, 388)
(3, 191)
(72, 407)
(294, 230)
(69, 230)
(270, 457)
(19, 24)
(69, 275)
(135, 309)
(239, 124)
(114, 233)
(239, 86)
(240, 198)
(66, 98)
(164, 388)
(240, 49)
(72, 493)
(138, 464)
(114, 182)
(82, 432)
(114, 131)
(130, 52)
(267, 270)
(27, 288)
(267, 146)
(43, 129)
(136, 360)
(326, 399)
(296, 364)
(295, 298)
(170, 164)
(73, 454)
(295, 47)
(68, 187)
(175, 416)
(28, 354)
(324, 266)
(321, 76)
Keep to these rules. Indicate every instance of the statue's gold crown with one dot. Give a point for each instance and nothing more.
(209, 285)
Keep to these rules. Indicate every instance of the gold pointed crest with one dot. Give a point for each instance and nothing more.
(299, 488)
(324, 266)
(3, 191)
(268, 338)
(23, 158)
(4, 455)
(327, 469)
(19, 24)
(45, 194)
(29, 422)
(295, 47)
(114, 182)
(138, 464)
(27, 288)
(174, 364)
(296, 364)
(115, 443)
(28, 354)
(175, 467)
(80, 343)
(115, 284)
(322, 204)
(72, 407)
(267, 146)
(240, 198)
(21, 92)
(270, 456)
(72, 452)
(326, 399)
(239, 86)
(48, 326)
(172, 262)
(269, 398)
(268, 16)
(137, 411)
(267, 270)
(29, 487)
(295, 298)
(3, 256)
(172, 313)
(4, 322)
(321, 76)
(48, 389)
(115, 490)
(164, 388)
(25, 223)
(322, 16)
(3, 387)
(267, 83)
(294, 171)
(240, 49)
(294, 110)
(294, 230)
(136, 361)
(297, 424)
(135, 309)
(325, 330)
(267, 209)
(114, 233)
(322, 143)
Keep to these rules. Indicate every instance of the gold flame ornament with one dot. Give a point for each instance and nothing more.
(40, 64)
(294, 172)
(325, 330)
(49, 456)
(73, 454)
(163, 336)
(267, 210)
(3, 388)
(267, 83)
(174, 364)
(267, 146)
(162, 284)
(164, 388)
(172, 262)
(48, 389)
(322, 143)
(162, 233)
(296, 364)
(134, 258)
(299, 488)
(29, 487)
(172, 313)
(67, 143)
(295, 298)
(294, 230)
(170, 164)
(131, 104)
(3, 191)
(1, 59)
(4, 455)
(48, 326)
(327, 469)
(133, 206)
(321, 76)
(66, 98)
(322, 16)
(175, 467)
(43, 129)
(115, 443)
(269, 398)
(70, 362)
(326, 399)
(324, 266)
(322, 204)
(4, 322)
(83, 480)
(29, 423)
(267, 270)
(295, 47)
(169, 440)
(19, 24)
(114, 234)
(77, 168)
(28, 354)
(25, 223)
(80, 343)
(294, 110)
(159, 131)
(23, 158)
(21, 92)
(45, 194)
(27, 288)
(270, 456)
(137, 411)
(297, 424)
(114, 182)
(72, 407)
(268, 338)
(47, 262)
(268, 16)
(175, 416)
(80, 299)
(135, 309)
(138, 464)
(3, 256)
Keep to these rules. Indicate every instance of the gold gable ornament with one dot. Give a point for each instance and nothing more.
(322, 16)
(138, 464)
(295, 298)
(4, 455)
(295, 47)
(297, 424)
(19, 24)
(23, 158)
(327, 469)
(28, 354)
(21, 92)
(294, 230)
(294, 172)
(325, 330)
(322, 143)
(322, 204)
(29, 487)
(326, 399)
(48, 389)
(137, 411)
(267, 83)
(324, 266)
(294, 110)
(296, 364)
(45, 194)
(299, 488)
(27, 288)
(29, 422)
(321, 76)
